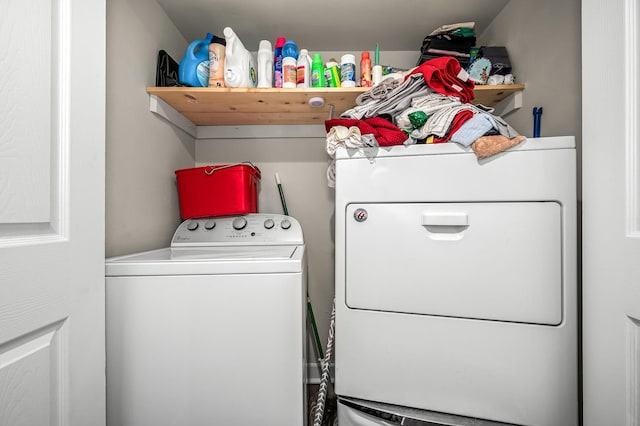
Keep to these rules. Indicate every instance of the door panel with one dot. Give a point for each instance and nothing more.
(611, 214)
(52, 131)
(27, 75)
(30, 370)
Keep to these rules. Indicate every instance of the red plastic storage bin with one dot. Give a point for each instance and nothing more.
(218, 190)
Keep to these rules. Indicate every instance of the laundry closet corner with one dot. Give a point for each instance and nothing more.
(143, 149)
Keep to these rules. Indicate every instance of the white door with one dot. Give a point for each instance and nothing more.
(52, 133)
(611, 212)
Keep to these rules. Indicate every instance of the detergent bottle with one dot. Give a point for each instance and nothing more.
(289, 64)
(332, 73)
(317, 71)
(239, 65)
(216, 62)
(194, 66)
(265, 64)
(304, 69)
(348, 70)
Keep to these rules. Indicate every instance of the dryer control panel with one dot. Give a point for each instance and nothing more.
(249, 229)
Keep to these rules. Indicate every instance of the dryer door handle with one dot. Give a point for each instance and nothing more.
(445, 219)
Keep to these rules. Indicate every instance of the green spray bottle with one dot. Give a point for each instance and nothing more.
(317, 71)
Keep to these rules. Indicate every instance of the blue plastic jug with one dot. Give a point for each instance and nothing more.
(194, 66)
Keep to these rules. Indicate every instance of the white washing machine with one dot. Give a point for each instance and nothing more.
(456, 284)
(210, 331)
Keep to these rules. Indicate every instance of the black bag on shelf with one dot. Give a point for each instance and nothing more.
(499, 58)
(166, 71)
(447, 42)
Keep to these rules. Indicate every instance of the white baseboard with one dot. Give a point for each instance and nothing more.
(314, 373)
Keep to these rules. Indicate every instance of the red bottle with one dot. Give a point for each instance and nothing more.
(365, 70)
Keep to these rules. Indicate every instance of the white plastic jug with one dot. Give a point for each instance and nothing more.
(239, 65)
(265, 64)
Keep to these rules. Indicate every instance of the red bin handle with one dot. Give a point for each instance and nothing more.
(210, 169)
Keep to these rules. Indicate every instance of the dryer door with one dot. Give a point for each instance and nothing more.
(489, 261)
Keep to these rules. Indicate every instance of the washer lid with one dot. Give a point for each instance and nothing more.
(221, 253)
(209, 261)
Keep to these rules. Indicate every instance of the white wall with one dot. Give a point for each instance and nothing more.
(142, 151)
(543, 41)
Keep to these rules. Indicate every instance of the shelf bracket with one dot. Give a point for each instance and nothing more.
(331, 107)
(509, 104)
(167, 112)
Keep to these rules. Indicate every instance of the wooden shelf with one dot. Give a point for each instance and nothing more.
(249, 106)
(491, 95)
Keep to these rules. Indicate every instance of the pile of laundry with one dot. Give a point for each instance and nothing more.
(429, 104)
(457, 40)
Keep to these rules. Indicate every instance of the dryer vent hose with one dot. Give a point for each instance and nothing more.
(324, 379)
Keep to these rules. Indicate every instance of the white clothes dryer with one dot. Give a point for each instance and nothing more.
(456, 283)
(210, 330)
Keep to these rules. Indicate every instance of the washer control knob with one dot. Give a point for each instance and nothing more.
(286, 224)
(209, 225)
(239, 223)
(269, 223)
(192, 225)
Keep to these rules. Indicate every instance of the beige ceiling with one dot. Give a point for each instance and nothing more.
(329, 25)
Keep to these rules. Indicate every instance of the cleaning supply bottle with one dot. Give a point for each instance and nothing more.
(365, 70)
(265, 64)
(376, 75)
(331, 69)
(216, 62)
(194, 66)
(304, 69)
(239, 65)
(317, 71)
(332, 76)
(289, 64)
(348, 70)
(277, 62)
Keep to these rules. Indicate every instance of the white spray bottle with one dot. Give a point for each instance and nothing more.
(239, 65)
(265, 64)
